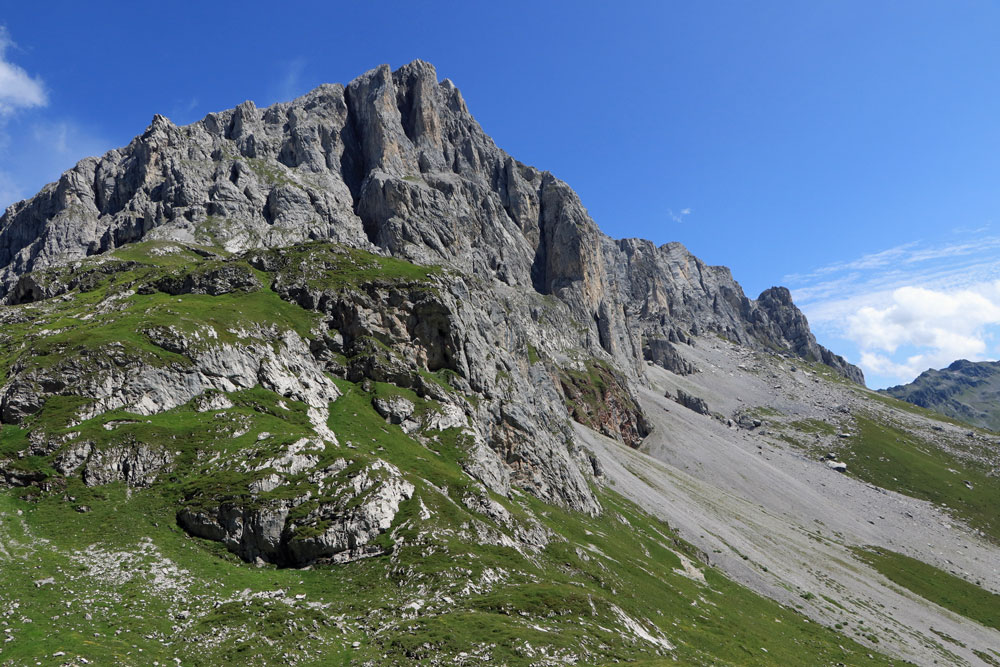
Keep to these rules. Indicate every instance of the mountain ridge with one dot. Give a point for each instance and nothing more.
(385, 162)
(967, 391)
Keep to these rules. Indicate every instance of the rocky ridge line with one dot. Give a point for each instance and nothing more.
(966, 390)
(392, 161)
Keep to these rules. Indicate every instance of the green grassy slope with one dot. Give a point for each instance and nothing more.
(939, 587)
(105, 573)
(886, 455)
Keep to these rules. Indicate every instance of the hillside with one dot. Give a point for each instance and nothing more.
(967, 391)
(340, 382)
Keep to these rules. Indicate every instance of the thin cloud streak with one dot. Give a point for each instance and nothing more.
(832, 299)
(290, 84)
(907, 253)
(41, 152)
(679, 216)
(908, 264)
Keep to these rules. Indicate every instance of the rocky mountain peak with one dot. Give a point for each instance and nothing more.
(393, 162)
(974, 369)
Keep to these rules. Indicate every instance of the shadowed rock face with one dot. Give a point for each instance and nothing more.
(966, 390)
(392, 160)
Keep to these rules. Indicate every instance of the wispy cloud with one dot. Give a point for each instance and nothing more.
(182, 110)
(53, 136)
(289, 84)
(9, 190)
(836, 296)
(680, 215)
(66, 139)
(910, 307)
(976, 247)
(18, 89)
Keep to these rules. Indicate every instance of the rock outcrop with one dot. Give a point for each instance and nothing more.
(337, 530)
(662, 352)
(692, 402)
(113, 377)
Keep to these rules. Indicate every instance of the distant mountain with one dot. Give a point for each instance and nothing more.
(968, 391)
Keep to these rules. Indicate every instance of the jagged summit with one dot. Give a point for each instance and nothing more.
(394, 162)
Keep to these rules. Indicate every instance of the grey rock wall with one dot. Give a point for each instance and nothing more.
(393, 161)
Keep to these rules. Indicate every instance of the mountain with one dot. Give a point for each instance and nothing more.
(967, 391)
(393, 161)
(340, 381)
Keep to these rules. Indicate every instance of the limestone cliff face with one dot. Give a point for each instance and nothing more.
(670, 295)
(537, 315)
(396, 161)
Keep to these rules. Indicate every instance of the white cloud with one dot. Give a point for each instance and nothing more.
(914, 306)
(943, 326)
(882, 365)
(34, 147)
(679, 217)
(18, 90)
(831, 301)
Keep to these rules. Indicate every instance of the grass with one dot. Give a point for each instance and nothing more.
(13, 439)
(63, 329)
(326, 266)
(937, 586)
(122, 583)
(564, 598)
(814, 426)
(598, 396)
(987, 658)
(894, 459)
(270, 172)
(533, 356)
(354, 420)
(898, 404)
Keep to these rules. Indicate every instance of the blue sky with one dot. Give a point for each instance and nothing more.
(847, 149)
